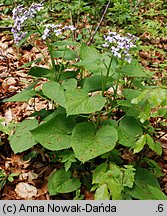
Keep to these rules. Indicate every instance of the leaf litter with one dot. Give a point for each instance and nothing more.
(31, 183)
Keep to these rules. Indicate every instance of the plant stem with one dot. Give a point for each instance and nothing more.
(51, 55)
(116, 88)
(42, 53)
(104, 81)
(52, 60)
(61, 66)
(141, 155)
(110, 111)
(98, 120)
(50, 51)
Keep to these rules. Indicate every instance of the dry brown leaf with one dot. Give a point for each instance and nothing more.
(89, 195)
(17, 162)
(25, 190)
(29, 176)
(8, 115)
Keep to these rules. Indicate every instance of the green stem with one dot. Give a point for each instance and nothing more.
(49, 101)
(52, 60)
(50, 51)
(110, 111)
(104, 83)
(141, 155)
(105, 78)
(37, 27)
(61, 66)
(117, 83)
(51, 55)
(42, 53)
(98, 120)
(116, 88)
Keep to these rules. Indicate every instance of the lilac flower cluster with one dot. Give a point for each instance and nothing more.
(120, 45)
(20, 16)
(51, 29)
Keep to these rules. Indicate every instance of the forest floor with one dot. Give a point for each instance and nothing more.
(13, 79)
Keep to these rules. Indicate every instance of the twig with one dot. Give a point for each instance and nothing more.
(136, 5)
(5, 29)
(157, 138)
(99, 24)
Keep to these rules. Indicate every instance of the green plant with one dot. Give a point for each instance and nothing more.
(4, 178)
(88, 123)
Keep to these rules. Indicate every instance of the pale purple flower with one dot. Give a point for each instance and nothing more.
(20, 15)
(120, 45)
(112, 33)
(52, 29)
(34, 8)
(105, 45)
(128, 58)
(71, 27)
(19, 36)
(58, 32)
(116, 51)
(45, 33)
(110, 39)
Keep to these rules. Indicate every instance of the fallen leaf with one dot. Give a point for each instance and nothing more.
(28, 176)
(89, 195)
(8, 115)
(25, 190)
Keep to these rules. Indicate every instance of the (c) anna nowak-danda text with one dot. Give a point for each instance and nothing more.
(68, 208)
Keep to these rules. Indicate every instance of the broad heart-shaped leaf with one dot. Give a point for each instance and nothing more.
(131, 125)
(131, 93)
(114, 179)
(128, 130)
(95, 62)
(124, 138)
(133, 69)
(65, 53)
(88, 143)
(155, 96)
(94, 83)
(140, 144)
(55, 133)
(78, 102)
(88, 52)
(114, 187)
(155, 146)
(149, 99)
(59, 110)
(69, 84)
(24, 95)
(54, 91)
(145, 111)
(41, 72)
(22, 139)
(65, 43)
(128, 176)
(102, 193)
(61, 182)
(92, 65)
(98, 172)
(90, 59)
(146, 186)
